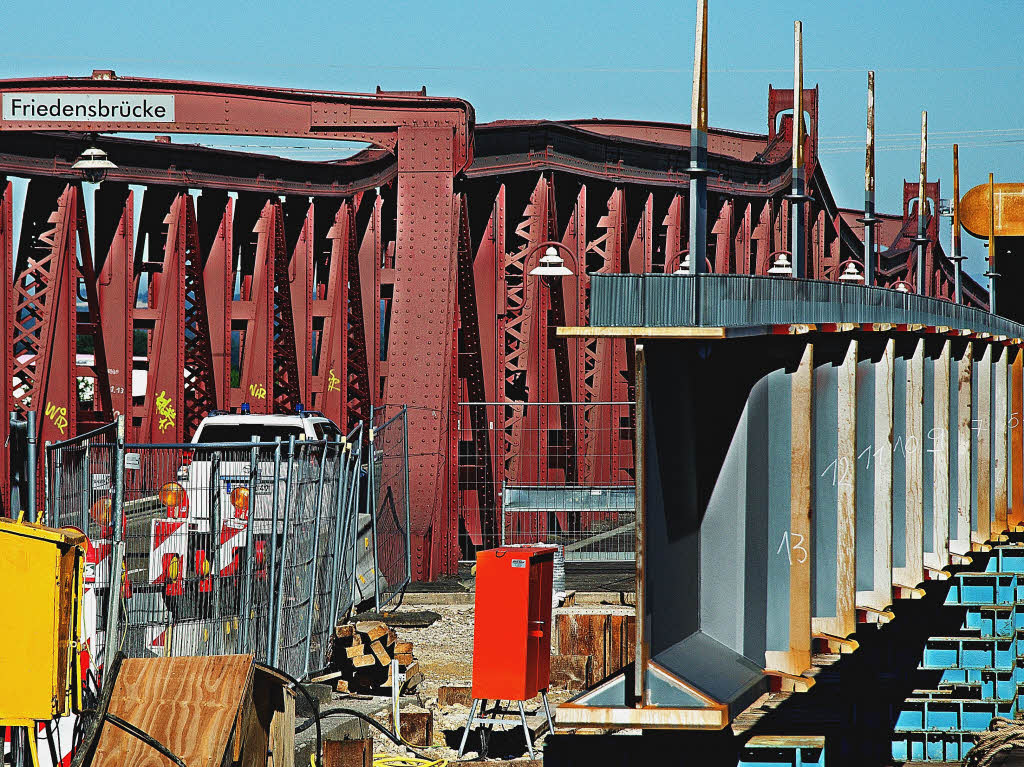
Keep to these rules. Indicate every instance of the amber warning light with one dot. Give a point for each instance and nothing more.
(88, 107)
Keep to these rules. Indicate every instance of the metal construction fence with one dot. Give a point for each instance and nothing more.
(228, 547)
(389, 499)
(552, 472)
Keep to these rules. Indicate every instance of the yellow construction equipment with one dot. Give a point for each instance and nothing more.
(41, 590)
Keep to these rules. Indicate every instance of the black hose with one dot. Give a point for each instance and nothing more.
(313, 705)
(369, 720)
(145, 737)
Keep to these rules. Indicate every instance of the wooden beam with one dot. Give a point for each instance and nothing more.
(913, 572)
(588, 331)
(938, 442)
(961, 543)
(1016, 422)
(797, 658)
(1000, 422)
(982, 428)
(844, 623)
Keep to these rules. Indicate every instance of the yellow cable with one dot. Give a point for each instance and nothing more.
(30, 731)
(390, 760)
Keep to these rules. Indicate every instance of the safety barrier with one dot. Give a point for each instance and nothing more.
(230, 547)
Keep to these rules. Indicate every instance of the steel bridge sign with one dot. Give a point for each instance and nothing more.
(88, 107)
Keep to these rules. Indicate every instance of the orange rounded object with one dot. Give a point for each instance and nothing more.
(100, 512)
(172, 494)
(976, 213)
(240, 498)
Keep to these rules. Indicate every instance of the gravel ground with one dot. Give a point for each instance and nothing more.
(445, 654)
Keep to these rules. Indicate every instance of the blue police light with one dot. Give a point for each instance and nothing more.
(298, 407)
(244, 409)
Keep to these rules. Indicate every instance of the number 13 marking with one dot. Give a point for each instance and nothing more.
(798, 546)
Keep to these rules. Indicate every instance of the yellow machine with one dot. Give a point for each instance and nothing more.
(41, 571)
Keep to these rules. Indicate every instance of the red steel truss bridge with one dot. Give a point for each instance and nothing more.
(399, 275)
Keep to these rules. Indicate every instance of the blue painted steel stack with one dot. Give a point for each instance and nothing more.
(980, 669)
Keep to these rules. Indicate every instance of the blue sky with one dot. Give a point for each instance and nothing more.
(960, 61)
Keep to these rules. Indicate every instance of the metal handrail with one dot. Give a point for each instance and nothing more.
(738, 300)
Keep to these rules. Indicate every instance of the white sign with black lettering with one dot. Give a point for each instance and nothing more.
(88, 107)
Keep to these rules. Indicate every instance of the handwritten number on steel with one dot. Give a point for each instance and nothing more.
(790, 547)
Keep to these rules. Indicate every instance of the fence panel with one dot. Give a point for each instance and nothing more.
(228, 548)
(553, 472)
(79, 489)
(389, 500)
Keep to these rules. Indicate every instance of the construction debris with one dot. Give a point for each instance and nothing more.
(362, 656)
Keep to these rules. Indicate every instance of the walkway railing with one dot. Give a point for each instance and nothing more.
(737, 300)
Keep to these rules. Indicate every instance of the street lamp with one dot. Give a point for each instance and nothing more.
(781, 267)
(551, 265)
(850, 273)
(93, 165)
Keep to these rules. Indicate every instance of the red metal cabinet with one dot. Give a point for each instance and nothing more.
(512, 630)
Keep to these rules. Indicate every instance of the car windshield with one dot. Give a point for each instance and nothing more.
(326, 430)
(244, 432)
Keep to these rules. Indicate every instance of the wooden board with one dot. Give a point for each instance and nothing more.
(1000, 418)
(961, 542)
(938, 443)
(188, 704)
(372, 629)
(844, 622)
(983, 440)
(1016, 422)
(797, 658)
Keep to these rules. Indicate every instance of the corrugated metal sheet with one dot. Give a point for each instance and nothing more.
(668, 300)
(732, 300)
(616, 300)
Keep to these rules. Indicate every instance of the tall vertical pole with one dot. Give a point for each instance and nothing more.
(112, 644)
(869, 220)
(991, 273)
(958, 282)
(922, 209)
(797, 196)
(32, 470)
(698, 170)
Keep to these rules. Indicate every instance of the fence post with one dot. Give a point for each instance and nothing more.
(340, 493)
(273, 545)
(408, 523)
(371, 502)
(275, 645)
(117, 560)
(31, 466)
(354, 505)
(316, 550)
(46, 485)
(216, 523)
(249, 553)
(86, 488)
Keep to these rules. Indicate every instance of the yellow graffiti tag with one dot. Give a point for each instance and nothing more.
(333, 381)
(58, 416)
(259, 391)
(165, 411)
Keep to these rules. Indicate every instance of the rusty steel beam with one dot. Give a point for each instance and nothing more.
(245, 110)
(6, 395)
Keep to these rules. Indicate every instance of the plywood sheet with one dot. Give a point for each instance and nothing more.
(187, 704)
